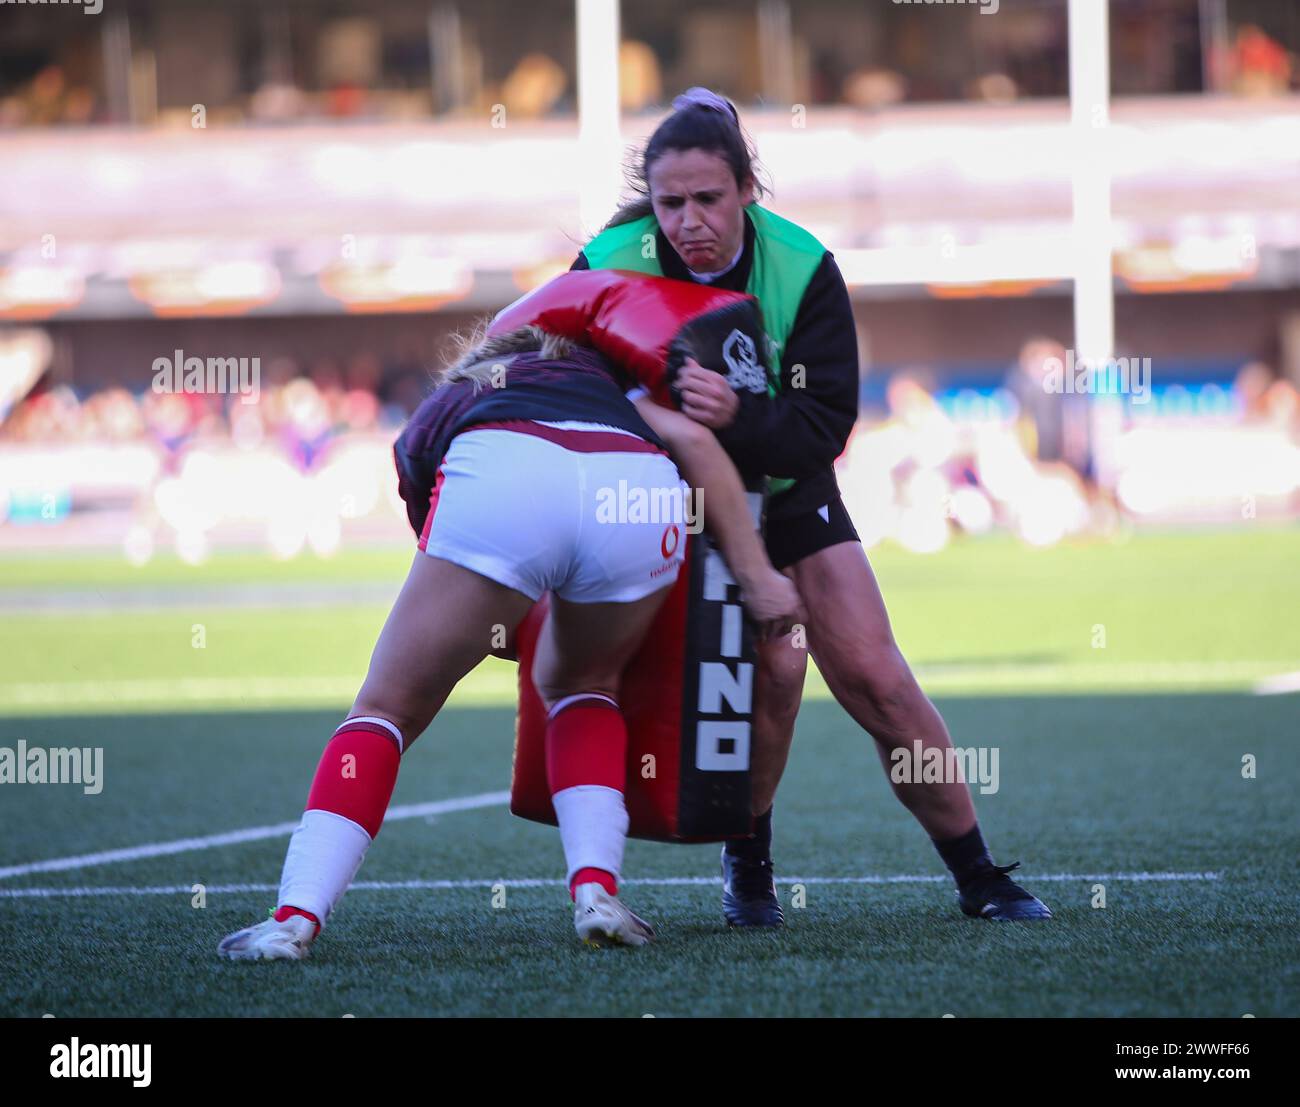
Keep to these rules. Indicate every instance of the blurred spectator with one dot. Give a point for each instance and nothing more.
(363, 373)
(1267, 398)
(277, 102)
(993, 88)
(114, 416)
(362, 395)
(640, 84)
(327, 376)
(1042, 409)
(534, 87)
(1251, 385)
(306, 428)
(1282, 406)
(825, 77)
(1260, 66)
(47, 100)
(43, 98)
(404, 384)
(1055, 418)
(349, 56)
(345, 100)
(873, 89)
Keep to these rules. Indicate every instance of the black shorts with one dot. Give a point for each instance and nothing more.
(791, 538)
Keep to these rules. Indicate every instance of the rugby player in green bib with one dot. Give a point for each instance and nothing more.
(697, 219)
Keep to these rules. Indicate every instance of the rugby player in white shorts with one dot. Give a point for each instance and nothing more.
(502, 468)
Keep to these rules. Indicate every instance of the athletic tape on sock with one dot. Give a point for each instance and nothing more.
(324, 855)
(593, 828)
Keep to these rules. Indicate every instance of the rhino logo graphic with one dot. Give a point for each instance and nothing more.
(746, 374)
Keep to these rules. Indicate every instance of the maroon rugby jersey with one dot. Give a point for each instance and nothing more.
(582, 385)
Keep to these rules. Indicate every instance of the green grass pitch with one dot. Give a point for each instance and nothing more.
(1119, 682)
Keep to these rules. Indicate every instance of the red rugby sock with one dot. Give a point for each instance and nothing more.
(586, 744)
(357, 772)
(283, 913)
(345, 808)
(593, 876)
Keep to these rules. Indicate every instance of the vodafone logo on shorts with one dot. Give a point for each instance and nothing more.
(670, 541)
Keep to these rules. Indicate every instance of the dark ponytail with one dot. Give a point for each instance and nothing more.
(701, 120)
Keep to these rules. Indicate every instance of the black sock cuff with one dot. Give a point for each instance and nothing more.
(966, 856)
(758, 845)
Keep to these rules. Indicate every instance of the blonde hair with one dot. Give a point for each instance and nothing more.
(478, 354)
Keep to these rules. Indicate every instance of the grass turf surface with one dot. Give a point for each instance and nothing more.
(1146, 779)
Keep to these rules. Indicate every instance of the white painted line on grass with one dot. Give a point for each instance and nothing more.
(235, 837)
(1279, 685)
(527, 882)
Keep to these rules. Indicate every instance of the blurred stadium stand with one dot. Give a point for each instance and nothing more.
(327, 187)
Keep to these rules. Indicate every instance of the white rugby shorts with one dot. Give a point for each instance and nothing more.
(592, 513)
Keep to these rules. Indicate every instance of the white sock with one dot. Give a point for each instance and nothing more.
(593, 827)
(324, 855)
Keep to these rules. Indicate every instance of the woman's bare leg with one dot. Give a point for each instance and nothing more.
(851, 640)
(778, 692)
(441, 626)
(855, 650)
(581, 654)
(584, 647)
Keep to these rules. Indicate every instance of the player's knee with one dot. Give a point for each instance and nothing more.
(410, 724)
(886, 686)
(555, 694)
(554, 684)
(780, 681)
